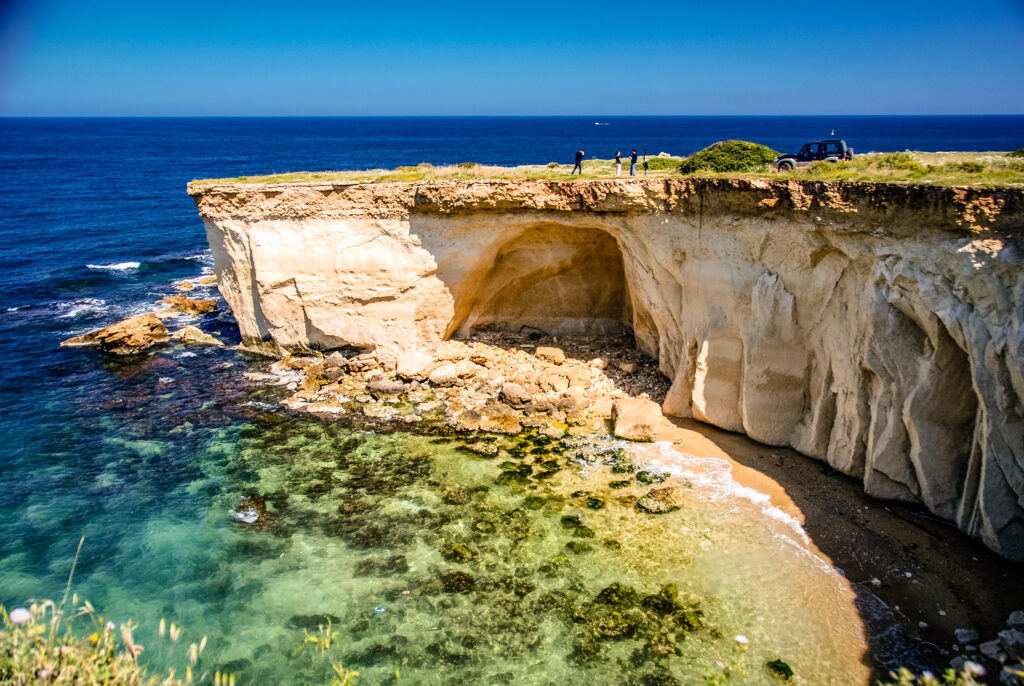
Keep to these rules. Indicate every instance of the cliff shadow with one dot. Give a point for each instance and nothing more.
(916, 577)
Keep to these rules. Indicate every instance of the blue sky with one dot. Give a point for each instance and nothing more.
(101, 57)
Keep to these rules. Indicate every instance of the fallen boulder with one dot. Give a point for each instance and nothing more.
(128, 337)
(413, 365)
(636, 419)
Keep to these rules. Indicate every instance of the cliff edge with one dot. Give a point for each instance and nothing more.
(878, 327)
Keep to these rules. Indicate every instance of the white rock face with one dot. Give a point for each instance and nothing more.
(879, 328)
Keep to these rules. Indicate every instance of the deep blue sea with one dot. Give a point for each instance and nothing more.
(145, 457)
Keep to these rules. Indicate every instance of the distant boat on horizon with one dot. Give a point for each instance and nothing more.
(600, 123)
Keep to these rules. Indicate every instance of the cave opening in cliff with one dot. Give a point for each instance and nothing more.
(562, 280)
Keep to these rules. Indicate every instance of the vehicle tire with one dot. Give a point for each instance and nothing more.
(785, 166)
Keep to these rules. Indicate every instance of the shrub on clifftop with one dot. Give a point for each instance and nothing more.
(730, 156)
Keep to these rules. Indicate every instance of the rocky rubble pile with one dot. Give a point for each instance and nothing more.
(495, 383)
(1003, 655)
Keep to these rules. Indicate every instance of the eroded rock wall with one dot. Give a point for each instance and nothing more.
(876, 327)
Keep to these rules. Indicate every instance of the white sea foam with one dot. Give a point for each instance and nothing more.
(713, 477)
(77, 308)
(205, 258)
(713, 480)
(248, 515)
(116, 266)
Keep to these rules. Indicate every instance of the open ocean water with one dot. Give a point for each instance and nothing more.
(147, 457)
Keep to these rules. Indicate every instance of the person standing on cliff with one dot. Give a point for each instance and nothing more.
(618, 163)
(579, 163)
(632, 163)
(645, 163)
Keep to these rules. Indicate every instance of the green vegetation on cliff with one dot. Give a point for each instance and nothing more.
(730, 156)
(729, 159)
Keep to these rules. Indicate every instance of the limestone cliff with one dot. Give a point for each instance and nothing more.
(877, 327)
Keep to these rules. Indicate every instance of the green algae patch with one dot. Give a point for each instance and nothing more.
(431, 561)
(457, 553)
(779, 669)
(619, 595)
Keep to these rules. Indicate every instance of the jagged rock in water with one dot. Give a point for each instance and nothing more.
(661, 500)
(128, 337)
(186, 305)
(193, 334)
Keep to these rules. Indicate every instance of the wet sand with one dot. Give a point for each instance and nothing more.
(906, 566)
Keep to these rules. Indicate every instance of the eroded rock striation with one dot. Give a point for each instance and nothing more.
(877, 327)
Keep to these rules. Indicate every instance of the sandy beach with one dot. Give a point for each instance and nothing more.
(917, 578)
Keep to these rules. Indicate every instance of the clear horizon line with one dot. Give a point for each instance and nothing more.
(482, 116)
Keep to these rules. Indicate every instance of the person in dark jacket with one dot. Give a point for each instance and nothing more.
(618, 163)
(579, 163)
(645, 163)
(632, 163)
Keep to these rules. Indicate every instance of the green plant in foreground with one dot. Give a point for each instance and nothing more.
(324, 640)
(730, 156)
(1017, 153)
(40, 644)
(965, 677)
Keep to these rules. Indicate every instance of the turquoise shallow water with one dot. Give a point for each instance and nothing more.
(146, 458)
(425, 558)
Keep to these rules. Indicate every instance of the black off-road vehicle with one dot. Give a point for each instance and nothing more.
(827, 151)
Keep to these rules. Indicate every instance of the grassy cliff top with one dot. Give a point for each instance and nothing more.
(938, 168)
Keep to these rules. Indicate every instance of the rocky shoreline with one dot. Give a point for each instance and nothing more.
(498, 383)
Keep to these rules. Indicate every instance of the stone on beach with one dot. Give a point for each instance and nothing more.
(515, 394)
(413, 365)
(553, 355)
(492, 418)
(636, 419)
(445, 375)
